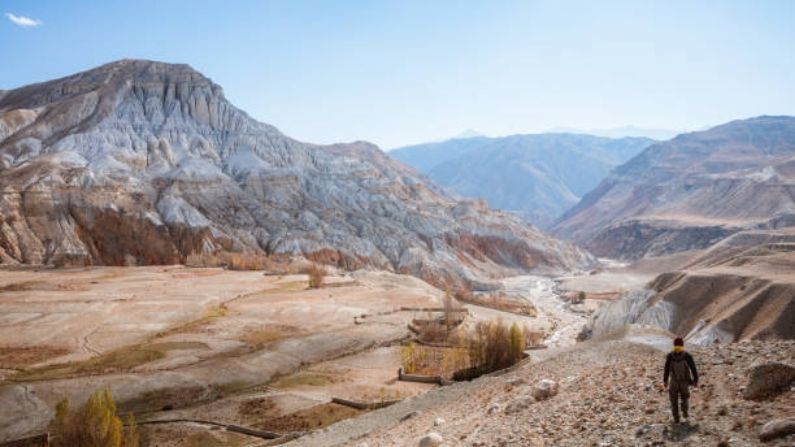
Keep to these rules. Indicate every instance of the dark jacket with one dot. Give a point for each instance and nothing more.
(690, 364)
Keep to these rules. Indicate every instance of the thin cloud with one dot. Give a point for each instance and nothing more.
(22, 20)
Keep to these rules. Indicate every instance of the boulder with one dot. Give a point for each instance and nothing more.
(545, 389)
(777, 428)
(768, 379)
(432, 439)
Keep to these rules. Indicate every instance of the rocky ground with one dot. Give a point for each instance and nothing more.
(609, 395)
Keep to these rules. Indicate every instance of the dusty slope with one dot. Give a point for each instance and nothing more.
(609, 395)
(691, 192)
(140, 162)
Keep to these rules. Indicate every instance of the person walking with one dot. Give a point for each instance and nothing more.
(680, 368)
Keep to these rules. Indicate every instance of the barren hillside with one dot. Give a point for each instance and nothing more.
(140, 162)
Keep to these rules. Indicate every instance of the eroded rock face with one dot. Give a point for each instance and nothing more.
(143, 162)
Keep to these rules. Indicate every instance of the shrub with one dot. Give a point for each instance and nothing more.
(94, 425)
(232, 261)
(317, 274)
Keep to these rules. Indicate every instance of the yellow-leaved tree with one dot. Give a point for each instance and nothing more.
(96, 424)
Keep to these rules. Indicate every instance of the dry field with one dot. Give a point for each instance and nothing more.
(182, 339)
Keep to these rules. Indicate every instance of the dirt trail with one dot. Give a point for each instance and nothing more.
(610, 394)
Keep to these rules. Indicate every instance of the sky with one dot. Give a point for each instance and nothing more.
(398, 72)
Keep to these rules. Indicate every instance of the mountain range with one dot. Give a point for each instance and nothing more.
(691, 192)
(141, 162)
(538, 176)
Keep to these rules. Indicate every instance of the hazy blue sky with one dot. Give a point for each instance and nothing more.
(398, 72)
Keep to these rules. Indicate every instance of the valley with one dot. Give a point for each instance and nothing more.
(165, 255)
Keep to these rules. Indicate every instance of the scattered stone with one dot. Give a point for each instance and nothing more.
(545, 389)
(432, 439)
(777, 428)
(438, 421)
(642, 430)
(768, 379)
(494, 408)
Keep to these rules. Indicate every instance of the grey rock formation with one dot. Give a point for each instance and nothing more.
(146, 162)
(536, 176)
(692, 191)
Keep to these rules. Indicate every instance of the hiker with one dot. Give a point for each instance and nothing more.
(681, 369)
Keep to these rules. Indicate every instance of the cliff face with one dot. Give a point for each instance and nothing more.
(139, 162)
(690, 192)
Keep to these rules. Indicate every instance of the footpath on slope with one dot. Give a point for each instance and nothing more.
(610, 394)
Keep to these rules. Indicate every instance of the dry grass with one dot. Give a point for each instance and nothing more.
(258, 338)
(197, 325)
(235, 261)
(21, 286)
(288, 287)
(117, 360)
(502, 302)
(312, 418)
(317, 274)
(17, 357)
(306, 378)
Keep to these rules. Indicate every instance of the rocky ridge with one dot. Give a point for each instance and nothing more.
(140, 162)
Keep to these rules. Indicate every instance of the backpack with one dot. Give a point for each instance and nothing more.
(680, 372)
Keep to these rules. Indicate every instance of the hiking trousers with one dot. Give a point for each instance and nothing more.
(679, 392)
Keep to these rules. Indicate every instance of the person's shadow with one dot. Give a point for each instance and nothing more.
(679, 432)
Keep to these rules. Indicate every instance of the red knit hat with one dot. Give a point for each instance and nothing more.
(679, 342)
